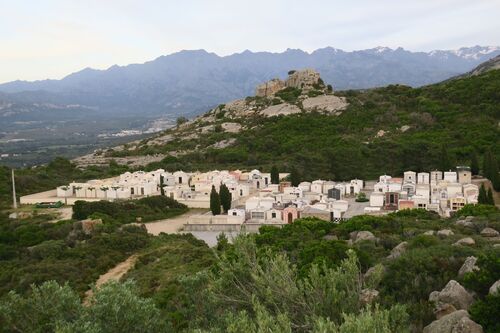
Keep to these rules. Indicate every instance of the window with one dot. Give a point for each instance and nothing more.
(273, 215)
(132, 190)
(180, 180)
(234, 214)
(142, 190)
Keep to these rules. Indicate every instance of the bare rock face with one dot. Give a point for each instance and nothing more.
(280, 109)
(445, 233)
(495, 288)
(269, 88)
(358, 236)
(443, 310)
(326, 103)
(489, 232)
(468, 266)
(367, 296)
(304, 78)
(468, 241)
(231, 127)
(455, 322)
(398, 250)
(453, 293)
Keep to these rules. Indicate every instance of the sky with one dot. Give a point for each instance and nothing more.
(42, 39)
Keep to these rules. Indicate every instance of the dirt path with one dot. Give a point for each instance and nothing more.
(172, 225)
(114, 274)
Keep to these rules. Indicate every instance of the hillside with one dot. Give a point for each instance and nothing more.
(337, 135)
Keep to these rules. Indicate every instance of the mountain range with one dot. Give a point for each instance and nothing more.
(190, 82)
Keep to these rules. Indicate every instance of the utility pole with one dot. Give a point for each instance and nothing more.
(14, 199)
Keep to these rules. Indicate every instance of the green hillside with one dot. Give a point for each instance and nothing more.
(420, 126)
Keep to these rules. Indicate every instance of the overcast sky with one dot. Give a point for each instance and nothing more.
(51, 38)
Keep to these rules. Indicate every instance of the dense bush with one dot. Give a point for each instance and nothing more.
(127, 211)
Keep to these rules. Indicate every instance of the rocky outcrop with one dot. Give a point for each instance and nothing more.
(468, 266)
(280, 109)
(358, 236)
(301, 79)
(465, 222)
(489, 232)
(444, 309)
(445, 233)
(88, 226)
(397, 251)
(325, 103)
(269, 88)
(231, 127)
(495, 288)
(453, 293)
(455, 322)
(468, 241)
(367, 296)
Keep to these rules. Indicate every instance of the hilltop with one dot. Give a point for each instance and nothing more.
(331, 134)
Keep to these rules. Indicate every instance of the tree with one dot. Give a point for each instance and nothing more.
(162, 185)
(225, 198)
(40, 310)
(294, 177)
(214, 201)
(494, 177)
(474, 163)
(445, 163)
(490, 199)
(181, 120)
(275, 176)
(483, 197)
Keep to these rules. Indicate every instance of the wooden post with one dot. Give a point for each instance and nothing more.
(14, 199)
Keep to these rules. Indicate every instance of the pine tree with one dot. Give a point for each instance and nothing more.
(483, 197)
(214, 201)
(275, 176)
(490, 199)
(474, 164)
(294, 177)
(225, 197)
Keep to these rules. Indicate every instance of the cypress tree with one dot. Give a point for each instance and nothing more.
(491, 201)
(474, 164)
(225, 198)
(494, 177)
(294, 177)
(214, 202)
(162, 185)
(483, 197)
(275, 176)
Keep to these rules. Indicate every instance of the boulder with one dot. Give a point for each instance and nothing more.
(444, 309)
(453, 293)
(445, 233)
(367, 296)
(357, 236)
(468, 266)
(489, 232)
(280, 109)
(429, 233)
(455, 322)
(495, 288)
(330, 237)
(89, 225)
(465, 223)
(465, 241)
(398, 250)
(327, 103)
